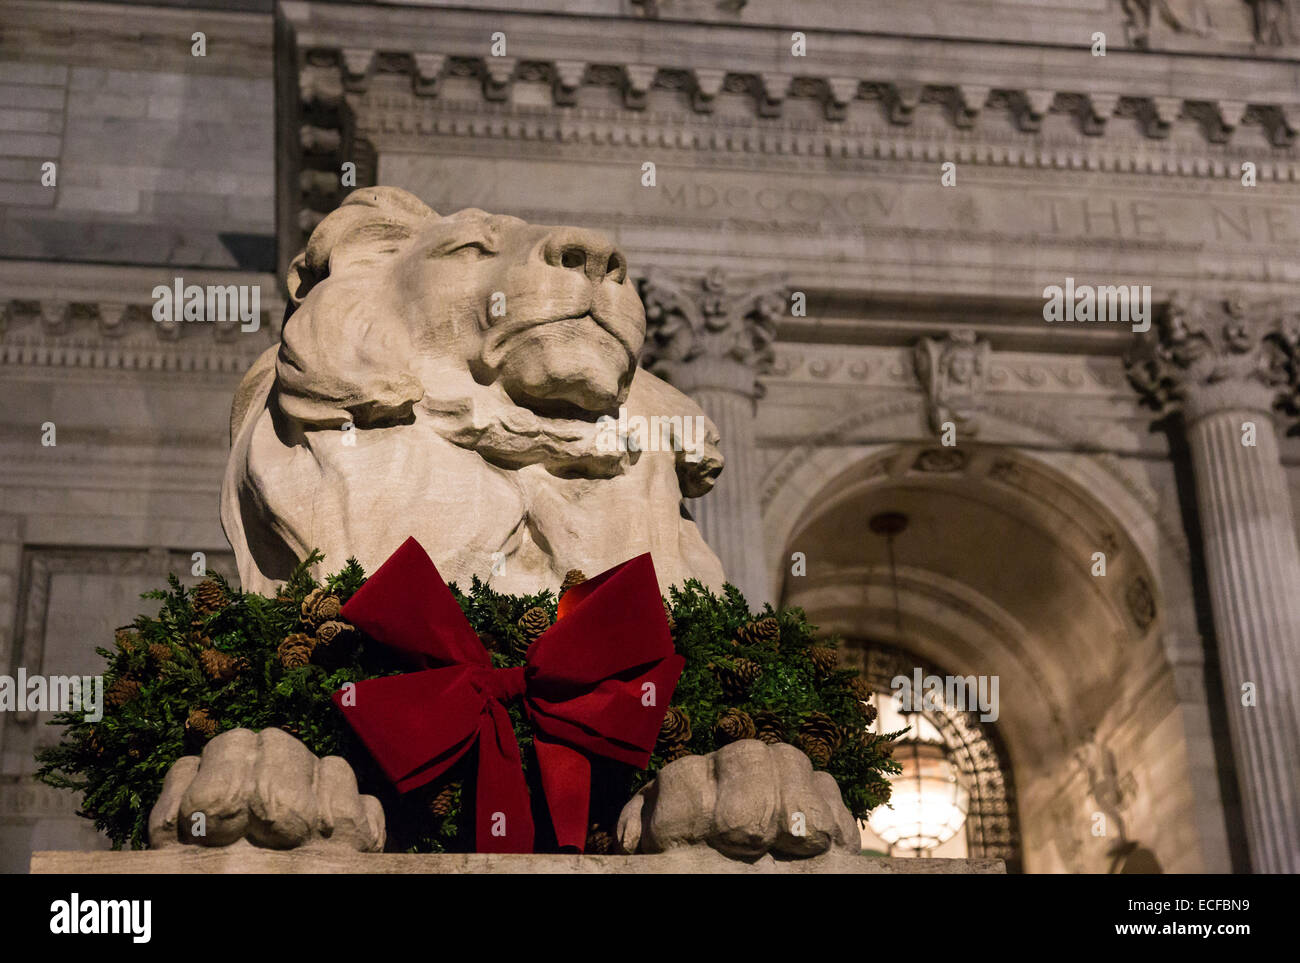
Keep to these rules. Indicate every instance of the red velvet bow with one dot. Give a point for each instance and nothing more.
(598, 681)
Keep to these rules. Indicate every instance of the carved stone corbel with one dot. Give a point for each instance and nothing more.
(568, 76)
(954, 371)
(497, 74)
(639, 78)
(428, 73)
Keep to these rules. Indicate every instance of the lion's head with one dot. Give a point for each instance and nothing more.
(548, 313)
(412, 332)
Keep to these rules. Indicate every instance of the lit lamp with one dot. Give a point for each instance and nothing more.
(928, 803)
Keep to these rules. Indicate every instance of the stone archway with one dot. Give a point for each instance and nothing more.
(995, 577)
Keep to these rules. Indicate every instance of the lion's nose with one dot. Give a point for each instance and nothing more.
(588, 251)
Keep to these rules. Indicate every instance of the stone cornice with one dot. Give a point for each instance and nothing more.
(701, 62)
(95, 316)
(1218, 118)
(406, 121)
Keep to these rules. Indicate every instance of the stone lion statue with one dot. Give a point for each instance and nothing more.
(455, 378)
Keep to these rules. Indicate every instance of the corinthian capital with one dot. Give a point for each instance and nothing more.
(713, 329)
(1216, 354)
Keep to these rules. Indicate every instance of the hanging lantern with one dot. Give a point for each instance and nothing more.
(928, 804)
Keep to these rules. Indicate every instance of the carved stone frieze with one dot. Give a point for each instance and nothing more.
(1180, 16)
(1275, 22)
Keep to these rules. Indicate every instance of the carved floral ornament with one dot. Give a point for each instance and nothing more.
(1220, 352)
(715, 317)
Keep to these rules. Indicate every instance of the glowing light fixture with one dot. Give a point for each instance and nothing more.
(928, 805)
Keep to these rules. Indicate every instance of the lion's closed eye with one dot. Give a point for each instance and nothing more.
(476, 247)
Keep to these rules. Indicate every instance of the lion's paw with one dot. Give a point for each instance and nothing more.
(266, 787)
(745, 800)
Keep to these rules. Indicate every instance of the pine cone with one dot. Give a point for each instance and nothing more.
(765, 632)
(668, 617)
(219, 666)
(332, 631)
(441, 805)
(825, 660)
(160, 653)
(197, 640)
(201, 723)
(320, 606)
(733, 725)
(819, 737)
(533, 623)
(599, 842)
(675, 730)
(737, 678)
(768, 728)
(572, 577)
(673, 753)
(861, 688)
(122, 691)
(295, 651)
(126, 640)
(823, 727)
(816, 750)
(209, 597)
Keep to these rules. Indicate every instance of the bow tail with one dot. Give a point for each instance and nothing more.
(566, 782)
(503, 819)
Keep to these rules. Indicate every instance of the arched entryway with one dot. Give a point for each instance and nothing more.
(998, 573)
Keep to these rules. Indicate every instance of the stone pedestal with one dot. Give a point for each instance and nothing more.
(244, 858)
(710, 337)
(1224, 366)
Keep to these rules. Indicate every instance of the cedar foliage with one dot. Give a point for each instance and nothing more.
(119, 762)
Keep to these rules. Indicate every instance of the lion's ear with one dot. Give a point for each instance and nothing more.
(298, 279)
(369, 223)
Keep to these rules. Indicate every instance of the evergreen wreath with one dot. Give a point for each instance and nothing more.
(215, 659)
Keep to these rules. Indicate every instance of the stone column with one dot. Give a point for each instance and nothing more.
(710, 336)
(1225, 366)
